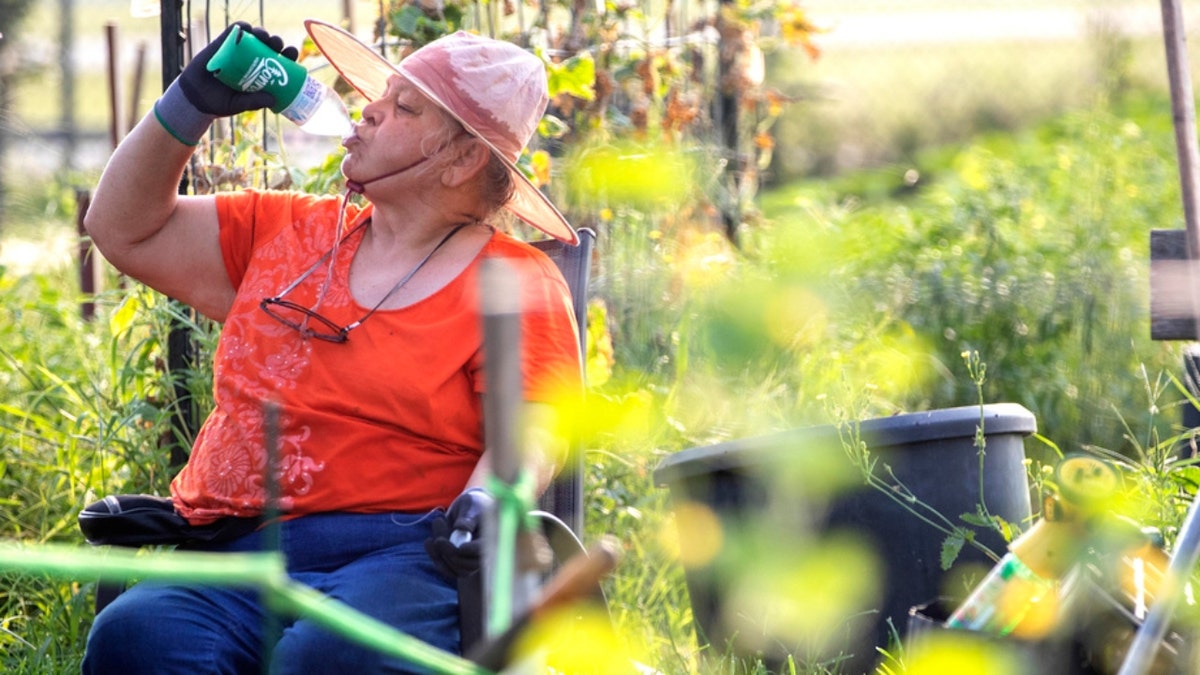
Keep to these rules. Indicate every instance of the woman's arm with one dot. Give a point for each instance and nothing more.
(137, 218)
(543, 449)
(147, 231)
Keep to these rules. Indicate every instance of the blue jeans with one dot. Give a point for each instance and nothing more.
(375, 563)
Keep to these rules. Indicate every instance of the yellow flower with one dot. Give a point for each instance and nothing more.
(540, 161)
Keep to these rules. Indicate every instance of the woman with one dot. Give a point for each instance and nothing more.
(361, 323)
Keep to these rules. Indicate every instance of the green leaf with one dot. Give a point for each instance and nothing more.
(975, 519)
(126, 312)
(552, 127)
(950, 549)
(575, 76)
(454, 16)
(1004, 527)
(404, 22)
(1185, 475)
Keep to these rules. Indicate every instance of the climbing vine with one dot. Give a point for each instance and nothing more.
(680, 83)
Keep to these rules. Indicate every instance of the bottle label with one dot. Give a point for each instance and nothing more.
(307, 100)
(264, 73)
(246, 64)
(1004, 598)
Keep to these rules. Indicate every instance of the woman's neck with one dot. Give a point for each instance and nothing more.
(416, 229)
(383, 257)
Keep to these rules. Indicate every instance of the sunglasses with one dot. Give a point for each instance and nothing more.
(312, 324)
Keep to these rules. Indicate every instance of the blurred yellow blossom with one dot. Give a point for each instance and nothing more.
(645, 176)
(703, 260)
(796, 317)
(697, 537)
(802, 595)
(600, 358)
(575, 639)
(798, 30)
(948, 652)
(540, 161)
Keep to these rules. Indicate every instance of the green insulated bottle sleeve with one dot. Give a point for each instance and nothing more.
(246, 64)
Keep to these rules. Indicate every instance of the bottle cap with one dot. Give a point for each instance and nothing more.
(1085, 481)
(246, 64)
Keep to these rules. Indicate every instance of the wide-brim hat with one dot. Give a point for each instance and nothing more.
(495, 89)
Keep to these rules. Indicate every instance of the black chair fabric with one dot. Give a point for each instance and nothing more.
(564, 497)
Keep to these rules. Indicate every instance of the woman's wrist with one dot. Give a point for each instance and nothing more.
(184, 121)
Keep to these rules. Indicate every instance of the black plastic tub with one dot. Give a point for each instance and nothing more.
(777, 481)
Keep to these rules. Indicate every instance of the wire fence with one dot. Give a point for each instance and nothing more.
(893, 76)
(898, 76)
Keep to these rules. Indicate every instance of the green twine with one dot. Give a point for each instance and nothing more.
(514, 503)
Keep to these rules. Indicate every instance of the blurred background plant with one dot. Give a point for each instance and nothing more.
(12, 69)
(1024, 241)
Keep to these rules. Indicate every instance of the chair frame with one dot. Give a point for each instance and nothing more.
(564, 497)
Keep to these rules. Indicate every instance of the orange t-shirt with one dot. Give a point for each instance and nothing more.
(390, 420)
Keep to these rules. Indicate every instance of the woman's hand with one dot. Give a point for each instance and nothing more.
(209, 95)
(455, 547)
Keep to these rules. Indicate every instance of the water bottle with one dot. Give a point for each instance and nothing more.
(1020, 594)
(1004, 599)
(246, 64)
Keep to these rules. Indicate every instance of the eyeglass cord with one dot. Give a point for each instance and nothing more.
(329, 273)
(404, 280)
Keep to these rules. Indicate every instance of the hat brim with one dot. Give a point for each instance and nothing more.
(368, 72)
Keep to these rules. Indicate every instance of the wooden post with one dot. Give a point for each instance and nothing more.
(381, 29)
(500, 304)
(87, 261)
(1183, 114)
(181, 344)
(139, 72)
(1146, 641)
(728, 106)
(348, 15)
(66, 43)
(114, 84)
(1181, 283)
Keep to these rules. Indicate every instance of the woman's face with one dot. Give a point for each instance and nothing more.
(399, 131)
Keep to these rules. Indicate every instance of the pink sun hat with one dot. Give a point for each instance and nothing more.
(495, 89)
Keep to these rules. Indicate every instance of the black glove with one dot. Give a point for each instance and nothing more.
(455, 547)
(213, 97)
(197, 97)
